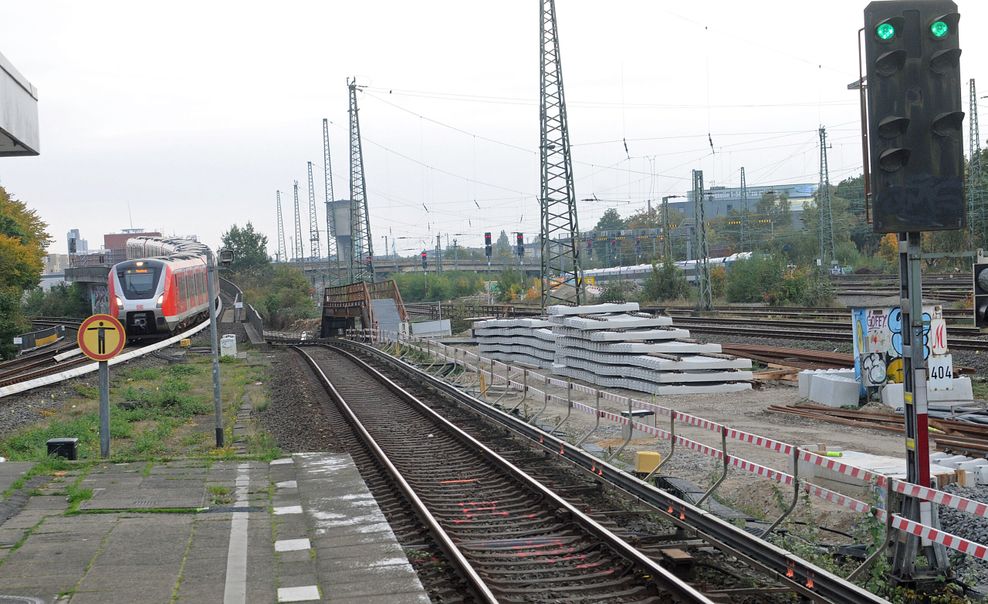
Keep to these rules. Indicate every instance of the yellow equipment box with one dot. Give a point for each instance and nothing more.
(646, 461)
(185, 343)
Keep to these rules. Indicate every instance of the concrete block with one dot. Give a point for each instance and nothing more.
(591, 309)
(953, 462)
(892, 396)
(972, 464)
(834, 390)
(960, 391)
(982, 475)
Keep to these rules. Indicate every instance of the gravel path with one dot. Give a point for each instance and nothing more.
(968, 569)
(294, 416)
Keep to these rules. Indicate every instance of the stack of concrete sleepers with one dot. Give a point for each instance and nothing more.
(523, 341)
(615, 345)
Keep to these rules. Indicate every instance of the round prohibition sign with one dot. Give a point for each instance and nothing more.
(101, 337)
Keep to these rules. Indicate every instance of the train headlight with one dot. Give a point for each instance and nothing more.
(161, 300)
(119, 302)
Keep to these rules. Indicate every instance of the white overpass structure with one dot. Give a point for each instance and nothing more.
(18, 113)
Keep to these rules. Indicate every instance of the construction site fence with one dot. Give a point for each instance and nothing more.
(490, 368)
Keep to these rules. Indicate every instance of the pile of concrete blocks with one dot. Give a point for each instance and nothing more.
(616, 345)
(970, 471)
(528, 342)
(830, 387)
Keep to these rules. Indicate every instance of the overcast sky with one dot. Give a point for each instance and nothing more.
(188, 116)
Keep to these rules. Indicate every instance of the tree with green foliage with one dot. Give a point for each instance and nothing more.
(448, 285)
(610, 221)
(62, 300)
(770, 280)
(249, 247)
(23, 240)
(285, 296)
(502, 247)
(618, 291)
(667, 282)
(510, 285)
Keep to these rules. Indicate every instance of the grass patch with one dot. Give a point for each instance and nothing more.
(184, 370)
(221, 495)
(87, 392)
(144, 373)
(156, 413)
(262, 445)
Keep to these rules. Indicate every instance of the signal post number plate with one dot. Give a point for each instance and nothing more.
(940, 372)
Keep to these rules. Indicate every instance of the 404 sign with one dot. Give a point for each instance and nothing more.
(940, 372)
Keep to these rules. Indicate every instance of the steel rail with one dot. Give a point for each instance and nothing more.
(663, 578)
(442, 537)
(802, 576)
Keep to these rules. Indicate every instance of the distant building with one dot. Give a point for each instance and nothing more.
(116, 243)
(55, 264)
(721, 201)
(77, 245)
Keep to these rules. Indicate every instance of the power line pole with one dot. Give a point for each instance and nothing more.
(297, 244)
(314, 248)
(559, 227)
(976, 221)
(332, 254)
(282, 250)
(705, 300)
(744, 213)
(362, 251)
(828, 253)
(439, 253)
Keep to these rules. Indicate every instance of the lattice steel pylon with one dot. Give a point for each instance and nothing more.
(332, 254)
(824, 206)
(560, 231)
(282, 250)
(743, 242)
(977, 222)
(362, 256)
(299, 248)
(705, 299)
(315, 250)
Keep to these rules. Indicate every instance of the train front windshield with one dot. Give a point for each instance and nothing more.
(139, 282)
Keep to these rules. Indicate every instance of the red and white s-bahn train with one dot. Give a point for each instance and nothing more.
(162, 288)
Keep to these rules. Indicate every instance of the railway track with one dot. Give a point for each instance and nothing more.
(510, 538)
(759, 570)
(30, 370)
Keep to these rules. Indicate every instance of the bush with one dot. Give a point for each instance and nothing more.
(617, 291)
(62, 300)
(665, 283)
(768, 279)
(417, 287)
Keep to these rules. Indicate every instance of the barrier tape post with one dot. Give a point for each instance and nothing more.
(672, 445)
(631, 432)
(596, 415)
(884, 548)
(569, 408)
(727, 460)
(545, 405)
(524, 391)
(795, 494)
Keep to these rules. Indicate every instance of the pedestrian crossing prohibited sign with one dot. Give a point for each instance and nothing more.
(101, 337)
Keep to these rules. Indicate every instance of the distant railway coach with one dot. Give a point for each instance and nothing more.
(640, 272)
(163, 293)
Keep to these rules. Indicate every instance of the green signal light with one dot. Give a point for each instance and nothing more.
(885, 31)
(939, 29)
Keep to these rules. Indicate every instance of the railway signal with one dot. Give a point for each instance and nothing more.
(981, 293)
(425, 260)
(914, 115)
(520, 244)
(488, 249)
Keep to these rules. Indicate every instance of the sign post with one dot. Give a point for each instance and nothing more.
(102, 337)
